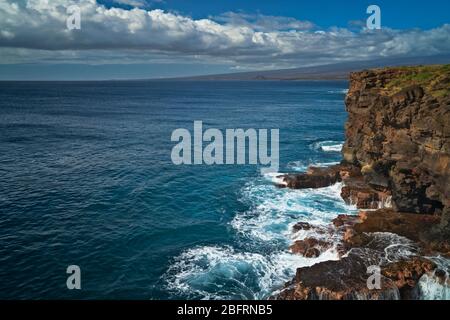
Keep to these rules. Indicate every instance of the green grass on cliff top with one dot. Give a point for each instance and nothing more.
(434, 79)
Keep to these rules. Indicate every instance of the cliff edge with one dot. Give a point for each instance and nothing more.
(398, 133)
(396, 169)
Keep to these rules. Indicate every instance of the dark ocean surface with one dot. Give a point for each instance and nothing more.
(86, 178)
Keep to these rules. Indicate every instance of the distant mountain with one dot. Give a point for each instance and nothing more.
(324, 72)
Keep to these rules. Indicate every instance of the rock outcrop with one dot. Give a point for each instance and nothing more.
(346, 279)
(398, 133)
(315, 177)
(384, 239)
(397, 160)
(310, 247)
(415, 227)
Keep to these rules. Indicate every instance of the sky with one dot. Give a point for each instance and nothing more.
(139, 39)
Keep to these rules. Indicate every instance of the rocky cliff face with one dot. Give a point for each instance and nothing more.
(396, 160)
(398, 133)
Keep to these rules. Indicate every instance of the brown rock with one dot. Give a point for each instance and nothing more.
(309, 247)
(365, 198)
(406, 274)
(401, 138)
(345, 220)
(319, 177)
(346, 279)
(313, 178)
(301, 226)
(397, 150)
(410, 225)
(356, 191)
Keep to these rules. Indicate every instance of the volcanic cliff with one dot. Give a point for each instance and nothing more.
(398, 132)
(396, 169)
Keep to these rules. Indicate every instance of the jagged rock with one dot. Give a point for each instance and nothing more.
(319, 177)
(310, 247)
(441, 275)
(345, 220)
(313, 178)
(397, 148)
(301, 226)
(356, 191)
(401, 137)
(410, 225)
(347, 279)
(406, 274)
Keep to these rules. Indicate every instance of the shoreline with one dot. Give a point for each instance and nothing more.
(398, 180)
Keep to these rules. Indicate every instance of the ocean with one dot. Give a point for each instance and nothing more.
(86, 179)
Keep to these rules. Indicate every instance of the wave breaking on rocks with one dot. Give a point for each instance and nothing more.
(396, 170)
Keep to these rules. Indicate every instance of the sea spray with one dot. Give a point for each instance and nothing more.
(436, 285)
(260, 263)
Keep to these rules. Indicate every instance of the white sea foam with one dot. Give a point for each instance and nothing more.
(275, 177)
(432, 287)
(343, 91)
(384, 248)
(212, 272)
(301, 166)
(275, 210)
(385, 203)
(203, 271)
(328, 146)
(248, 271)
(333, 148)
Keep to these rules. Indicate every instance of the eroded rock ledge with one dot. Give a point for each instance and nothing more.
(398, 133)
(371, 238)
(397, 160)
(345, 279)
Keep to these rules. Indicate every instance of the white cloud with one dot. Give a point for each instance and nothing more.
(35, 31)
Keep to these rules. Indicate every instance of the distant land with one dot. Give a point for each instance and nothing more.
(338, 71)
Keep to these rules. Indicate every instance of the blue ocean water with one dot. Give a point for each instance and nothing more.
(86, 178)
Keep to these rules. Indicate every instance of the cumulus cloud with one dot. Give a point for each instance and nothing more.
(35, 30)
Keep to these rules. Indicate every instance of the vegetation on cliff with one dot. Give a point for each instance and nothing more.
(402, 139)
(397, 159)
(434, 79)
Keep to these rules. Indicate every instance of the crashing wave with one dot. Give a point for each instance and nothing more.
(273, 211)
(212, 272)
(301, 166)
(343, 91)
(436, 285)
(247, 271)
(328, 146)
(384, 248)
(275, 177)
